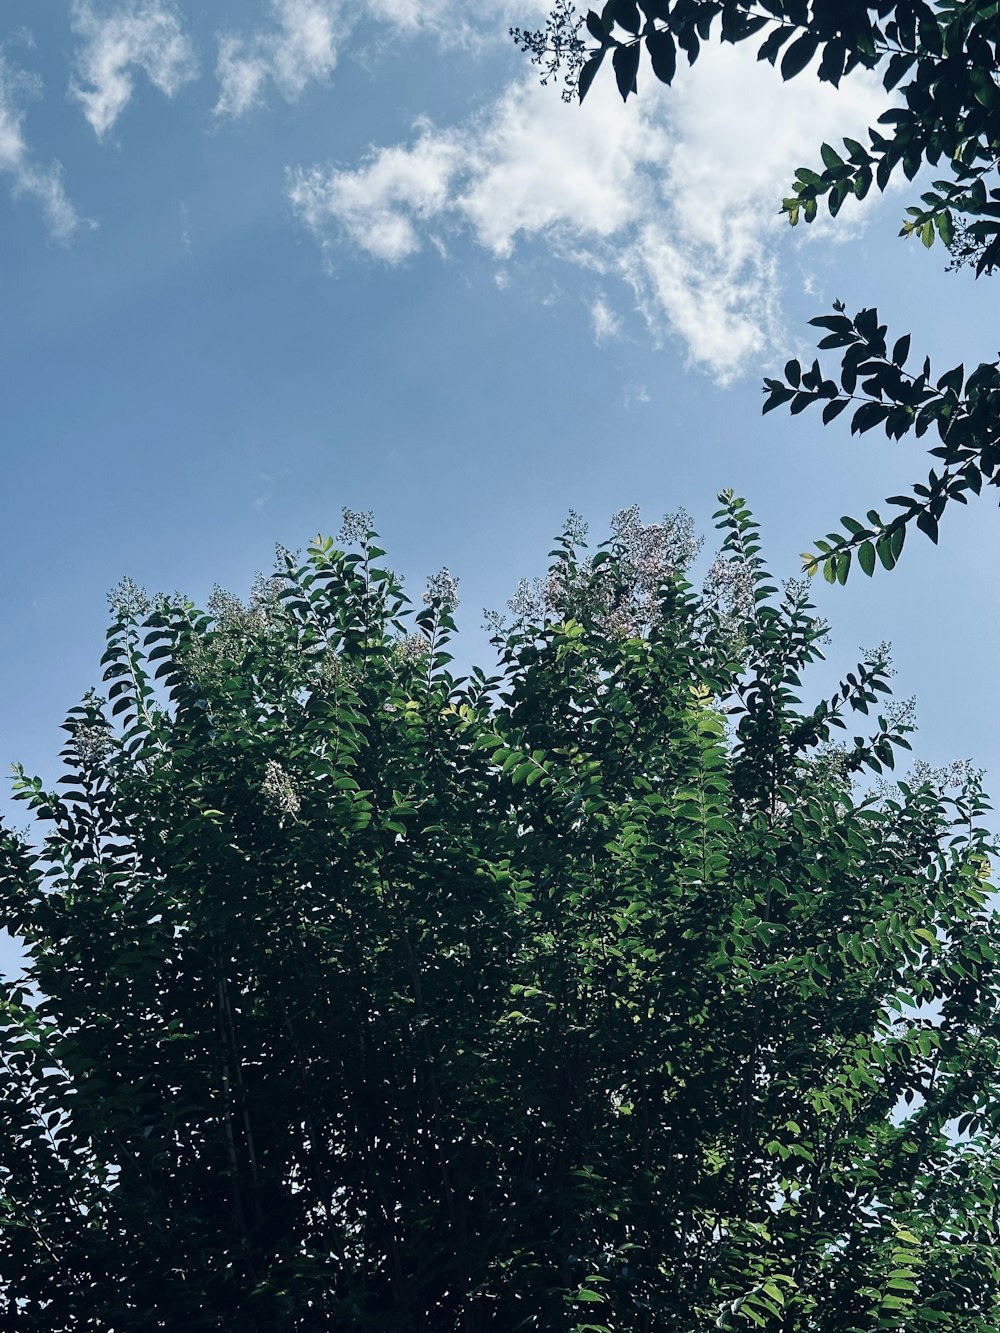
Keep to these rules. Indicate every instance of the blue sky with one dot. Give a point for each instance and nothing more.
(265, 259)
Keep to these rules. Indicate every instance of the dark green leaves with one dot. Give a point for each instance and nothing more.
(662, 54)
(798, 55)
(588, 73)
(626, 15)
(626, 63)
(874, 384)
(549, 939)
(595, 27)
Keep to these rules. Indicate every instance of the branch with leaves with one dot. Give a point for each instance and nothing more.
(963, 411)
(943, 58)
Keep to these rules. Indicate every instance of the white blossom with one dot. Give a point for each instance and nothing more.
(280, 790)
(576, 529)
(956, 775)
(356, 525)
(414, 648)
(128, 600)
(731, 585)
(442, 590)
(92, 741)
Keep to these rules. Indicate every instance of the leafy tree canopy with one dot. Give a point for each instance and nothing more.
(943, 58)
(592, 995)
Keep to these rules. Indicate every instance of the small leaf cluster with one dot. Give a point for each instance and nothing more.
(874, 382)
(584, 995)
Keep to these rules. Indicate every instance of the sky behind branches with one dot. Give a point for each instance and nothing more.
(267, 258)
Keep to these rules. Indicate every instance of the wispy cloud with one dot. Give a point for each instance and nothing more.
(143, 36)
(604, 322)
(450, 22)
(299, 48)
(635, 393)
(42, 184)
(673, 193)
(302, 43)
(382, 205)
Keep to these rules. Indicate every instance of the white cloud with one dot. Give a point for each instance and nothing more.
(603, 321)
(449, 20)
(299, 48)
(303, 42)
(675, 192)
(144, 35)
(636, 393)
(531, 164)
(411, 15)
(27, 178)
(381, 206)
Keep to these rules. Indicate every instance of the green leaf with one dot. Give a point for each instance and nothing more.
(595, 27)
(927, 524)
(663, 54)
(798, 55)
(626, 63)
(626, 14)
(588, 72)
(883, 549)
(831, 157)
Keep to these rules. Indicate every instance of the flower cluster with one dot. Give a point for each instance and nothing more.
(529, 601)
(332, 670)
(625, 593)
(880, 656)
(233, 617)
(442, 590)
(128, 601)
(829, 762)
(731, 585)
(414, 648)
(92, 741)
(280, 790)
(621, 596)
(356, 525)
(954, 776)
(901, 714)
(575, 529)
(654, 552)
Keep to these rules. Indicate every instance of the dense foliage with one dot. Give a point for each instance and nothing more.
(593, 996)
(942, 57)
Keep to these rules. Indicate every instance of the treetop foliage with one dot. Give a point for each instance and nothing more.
(593, 994)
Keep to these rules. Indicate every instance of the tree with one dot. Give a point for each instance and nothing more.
(595, 995)
(943, 57)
